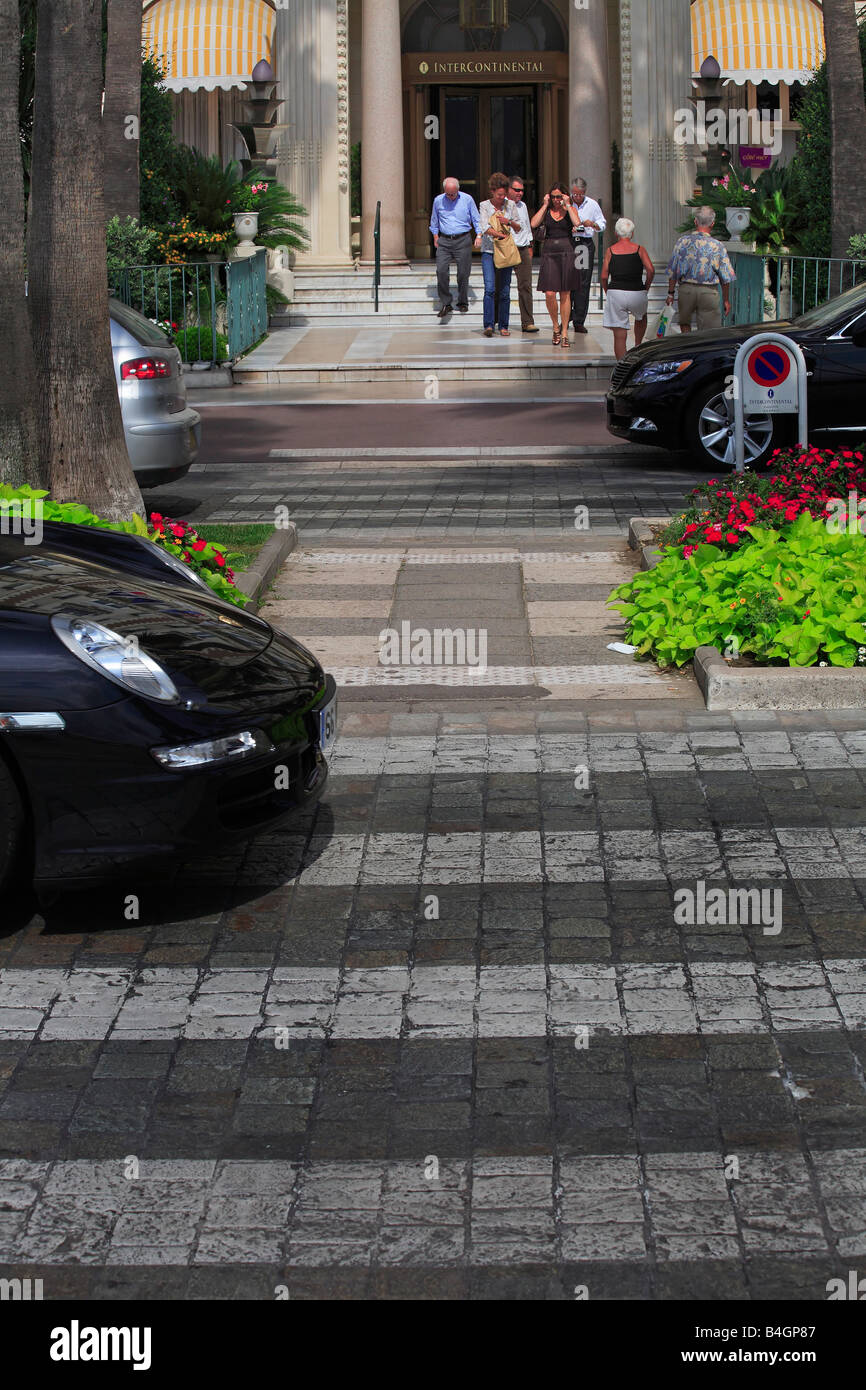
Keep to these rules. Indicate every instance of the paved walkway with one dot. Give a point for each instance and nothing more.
(316, 354)
(452, 1033)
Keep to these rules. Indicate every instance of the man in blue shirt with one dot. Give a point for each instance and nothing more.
(454, 221)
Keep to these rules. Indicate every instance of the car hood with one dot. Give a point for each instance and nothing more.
(709, 340)
(193, 635)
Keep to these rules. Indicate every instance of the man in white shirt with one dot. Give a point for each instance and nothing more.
(592, 220)
(524, 240)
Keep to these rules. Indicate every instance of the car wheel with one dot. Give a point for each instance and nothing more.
(11, 825)
(710, 430)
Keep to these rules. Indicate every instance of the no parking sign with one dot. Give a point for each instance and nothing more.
(769, 379)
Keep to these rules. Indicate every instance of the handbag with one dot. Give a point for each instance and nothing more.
(506, 252)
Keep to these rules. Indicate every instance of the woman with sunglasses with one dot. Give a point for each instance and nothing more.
(558, 276)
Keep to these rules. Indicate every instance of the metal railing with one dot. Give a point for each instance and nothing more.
(212, 310)
(769, 288)
(377, 255)
(246, 292)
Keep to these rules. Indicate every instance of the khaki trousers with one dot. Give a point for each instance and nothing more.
(523, 275)
(703, 300)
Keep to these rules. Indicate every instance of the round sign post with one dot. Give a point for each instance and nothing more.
(769, 377)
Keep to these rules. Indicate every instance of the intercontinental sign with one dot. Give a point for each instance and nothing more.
(487, 67)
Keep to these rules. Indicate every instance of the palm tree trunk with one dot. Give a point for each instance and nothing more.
(121, 113)
(847, 122)
(81, 430)
(19, 444)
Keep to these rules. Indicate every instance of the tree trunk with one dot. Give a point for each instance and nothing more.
(19, 442)
(81, 430)
(847, 122)
(121, 115)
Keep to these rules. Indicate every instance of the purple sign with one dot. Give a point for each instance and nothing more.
(754, 157)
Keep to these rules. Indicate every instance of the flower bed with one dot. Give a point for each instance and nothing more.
(794, 481)
(211, 562)
(766, 566)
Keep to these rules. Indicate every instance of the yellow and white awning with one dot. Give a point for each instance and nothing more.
(208, 43)
(759, 40)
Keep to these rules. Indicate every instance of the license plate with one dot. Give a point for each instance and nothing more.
(328, 726)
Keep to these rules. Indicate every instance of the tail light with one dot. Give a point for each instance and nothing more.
(145, 368)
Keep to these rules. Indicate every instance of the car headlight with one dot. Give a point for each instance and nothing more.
(661, 371)
(173, 563)
(216, 750)
(115, 657)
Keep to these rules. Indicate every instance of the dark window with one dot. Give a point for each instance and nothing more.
(533, 27)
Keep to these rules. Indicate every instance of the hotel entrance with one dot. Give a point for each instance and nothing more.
(487, 129)
(469, 116)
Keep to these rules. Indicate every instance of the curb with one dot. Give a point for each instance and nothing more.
(256, 581)
(642, 537)
(211, 380)
(726, 687)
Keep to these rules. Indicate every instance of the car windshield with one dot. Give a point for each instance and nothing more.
(848, 303)
(136, 325)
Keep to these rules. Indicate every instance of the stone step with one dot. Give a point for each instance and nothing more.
(596, 369)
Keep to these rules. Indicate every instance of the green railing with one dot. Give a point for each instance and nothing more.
(218, 309)
(246, 285)
(781, 287)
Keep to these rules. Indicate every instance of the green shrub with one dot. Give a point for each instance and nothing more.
(129, 243)
(795, 597)
(812, 168)
(209, 561)
(196, 345)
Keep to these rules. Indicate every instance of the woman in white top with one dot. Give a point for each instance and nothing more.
(497, 216)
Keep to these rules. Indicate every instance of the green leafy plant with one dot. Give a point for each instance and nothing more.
(129, 244)
(280, 213)
(196, 344)
(160, 153)
(204, 191)
(209, 561)
(795, 597)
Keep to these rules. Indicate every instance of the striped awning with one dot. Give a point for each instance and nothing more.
(208, 43)
(759, 40)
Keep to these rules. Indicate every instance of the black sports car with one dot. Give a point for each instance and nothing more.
(673, 392)
(140, 716)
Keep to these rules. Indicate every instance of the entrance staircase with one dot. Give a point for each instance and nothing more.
(407, 297)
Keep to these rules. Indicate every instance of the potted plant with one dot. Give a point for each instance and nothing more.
(245, 213)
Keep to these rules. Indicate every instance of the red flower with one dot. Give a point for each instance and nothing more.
(178, 531)
(732, 538)
(199, 545)
(156, 516)
(220, 559)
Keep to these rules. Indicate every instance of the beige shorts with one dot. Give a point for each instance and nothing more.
(619, 304)
(702, 300)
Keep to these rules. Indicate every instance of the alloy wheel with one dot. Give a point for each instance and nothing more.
(716, 431)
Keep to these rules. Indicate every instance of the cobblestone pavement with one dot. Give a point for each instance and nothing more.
(472, 1027)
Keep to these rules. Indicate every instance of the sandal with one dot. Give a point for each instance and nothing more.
(557, 335)
(505, 332)
(564, 341)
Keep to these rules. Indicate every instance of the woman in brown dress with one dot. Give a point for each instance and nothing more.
(558, 275)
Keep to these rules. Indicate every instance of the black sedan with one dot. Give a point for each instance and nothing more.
(677, 392)
(141, 717)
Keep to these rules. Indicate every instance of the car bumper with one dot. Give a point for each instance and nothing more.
(640, 421)
(162, 450)
(128, 814)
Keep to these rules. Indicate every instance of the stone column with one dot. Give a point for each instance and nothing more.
(656, 60)
(589, 151)
(311, 61)
(382, 131)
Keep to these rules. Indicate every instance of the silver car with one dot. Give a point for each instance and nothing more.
(163, 433)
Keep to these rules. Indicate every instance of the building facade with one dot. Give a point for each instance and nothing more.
(550, 89)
